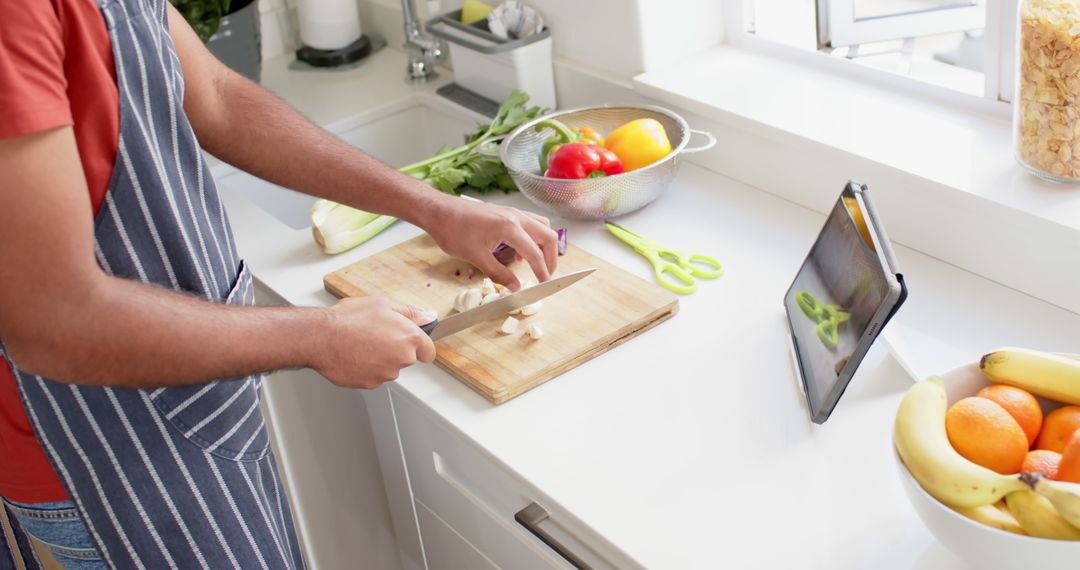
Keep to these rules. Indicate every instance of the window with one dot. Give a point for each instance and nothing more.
(960, 46)
(856, 22)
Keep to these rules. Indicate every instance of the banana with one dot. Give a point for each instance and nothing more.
(992, 515)
(1063, 495)
(1038, 518)
(924, 448)
(1041, 373)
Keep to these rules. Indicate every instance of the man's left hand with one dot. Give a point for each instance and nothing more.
(471, 230)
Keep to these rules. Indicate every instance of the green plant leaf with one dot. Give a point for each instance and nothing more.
(204, 16)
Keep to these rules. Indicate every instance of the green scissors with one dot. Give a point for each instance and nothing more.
(828, 318)
(682, 267)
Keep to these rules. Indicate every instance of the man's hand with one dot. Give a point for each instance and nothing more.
(470, 230)
(285, 148)
(370, 339)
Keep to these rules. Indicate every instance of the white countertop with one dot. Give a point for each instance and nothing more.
(690, 446)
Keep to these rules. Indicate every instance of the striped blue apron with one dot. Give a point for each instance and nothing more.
(167, 477)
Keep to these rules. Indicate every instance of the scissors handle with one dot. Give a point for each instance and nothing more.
(829, 333)
(680, 281)
(703, 266)
(828, 318)
(810, 305)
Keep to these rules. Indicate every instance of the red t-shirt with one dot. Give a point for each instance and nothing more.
(56, 69)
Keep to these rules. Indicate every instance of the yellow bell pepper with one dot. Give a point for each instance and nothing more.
(639, 143)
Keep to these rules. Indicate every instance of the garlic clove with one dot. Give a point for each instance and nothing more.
(509, 326)
(459, 300)
(530, 310)
(472, 299)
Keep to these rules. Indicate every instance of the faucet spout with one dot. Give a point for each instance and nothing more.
(424, 52)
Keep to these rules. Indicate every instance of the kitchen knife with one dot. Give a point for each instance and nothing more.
(501, 307)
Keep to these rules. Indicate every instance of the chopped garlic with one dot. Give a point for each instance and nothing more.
(459, 300)
(489, 298)
(530, 310)
(509, 326)
(487, 287)
(534, 331)
(472, 299)
(499, 287)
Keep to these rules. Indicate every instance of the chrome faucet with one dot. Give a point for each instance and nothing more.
(424, 52)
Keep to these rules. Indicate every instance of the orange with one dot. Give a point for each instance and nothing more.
(982, 431)
(1058, 428)
(1070, 461)
(1042, 461)
(1020, 404)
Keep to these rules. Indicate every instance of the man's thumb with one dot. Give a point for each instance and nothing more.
(418, 316)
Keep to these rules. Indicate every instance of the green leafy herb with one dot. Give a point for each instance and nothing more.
(475, 165)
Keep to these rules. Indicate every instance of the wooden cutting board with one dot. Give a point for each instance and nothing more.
(595, 314)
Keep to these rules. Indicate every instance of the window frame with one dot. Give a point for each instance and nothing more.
(999, 51)
(842, 28)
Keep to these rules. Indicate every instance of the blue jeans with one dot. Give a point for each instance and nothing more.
(60, 529)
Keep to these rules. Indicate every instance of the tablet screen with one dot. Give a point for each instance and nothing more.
(835, 301)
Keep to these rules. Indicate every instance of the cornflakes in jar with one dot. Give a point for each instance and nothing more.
(1046, 121)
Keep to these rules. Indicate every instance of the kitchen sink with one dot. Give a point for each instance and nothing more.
(400, 135)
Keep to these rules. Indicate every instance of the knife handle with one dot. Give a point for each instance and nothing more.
(429, 327)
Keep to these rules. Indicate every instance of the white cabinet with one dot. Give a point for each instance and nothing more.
(451, 500)
(326, 456)
(447, 549)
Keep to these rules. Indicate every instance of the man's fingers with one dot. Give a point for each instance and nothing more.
(524, 244)
(498, 272)
(419, 316)
(425, 352)
(542, 219)
(548, 240)
(425, 348)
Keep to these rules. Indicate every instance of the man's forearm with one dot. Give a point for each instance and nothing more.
(125, 333)
(280, 145)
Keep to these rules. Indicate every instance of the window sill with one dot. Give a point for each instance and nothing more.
(928, 162)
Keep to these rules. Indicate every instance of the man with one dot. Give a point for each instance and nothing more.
(122, 294)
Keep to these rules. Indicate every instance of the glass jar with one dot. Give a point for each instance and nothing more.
(1046, 117)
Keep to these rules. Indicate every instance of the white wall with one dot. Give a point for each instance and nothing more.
(674, 29)
(619, 38)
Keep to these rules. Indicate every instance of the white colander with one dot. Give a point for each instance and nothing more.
(597, 198)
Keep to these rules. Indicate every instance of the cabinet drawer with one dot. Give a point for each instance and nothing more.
(479, 497)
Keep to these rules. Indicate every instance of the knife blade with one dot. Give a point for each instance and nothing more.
(440, 328)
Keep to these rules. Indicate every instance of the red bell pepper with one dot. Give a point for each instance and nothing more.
(581, 160)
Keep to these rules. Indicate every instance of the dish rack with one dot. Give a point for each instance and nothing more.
(493, 67)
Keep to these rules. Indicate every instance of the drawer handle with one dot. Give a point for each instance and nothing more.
(530, 517)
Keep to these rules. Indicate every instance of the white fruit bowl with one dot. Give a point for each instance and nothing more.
(979, 545)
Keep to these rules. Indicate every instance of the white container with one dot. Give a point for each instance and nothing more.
(494, 67)
(979, 545)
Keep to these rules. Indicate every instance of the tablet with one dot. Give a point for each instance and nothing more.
(845, 292)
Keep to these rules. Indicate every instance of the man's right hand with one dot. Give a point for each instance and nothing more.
(369, 341)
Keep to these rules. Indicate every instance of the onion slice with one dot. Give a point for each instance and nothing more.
(506, 254)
